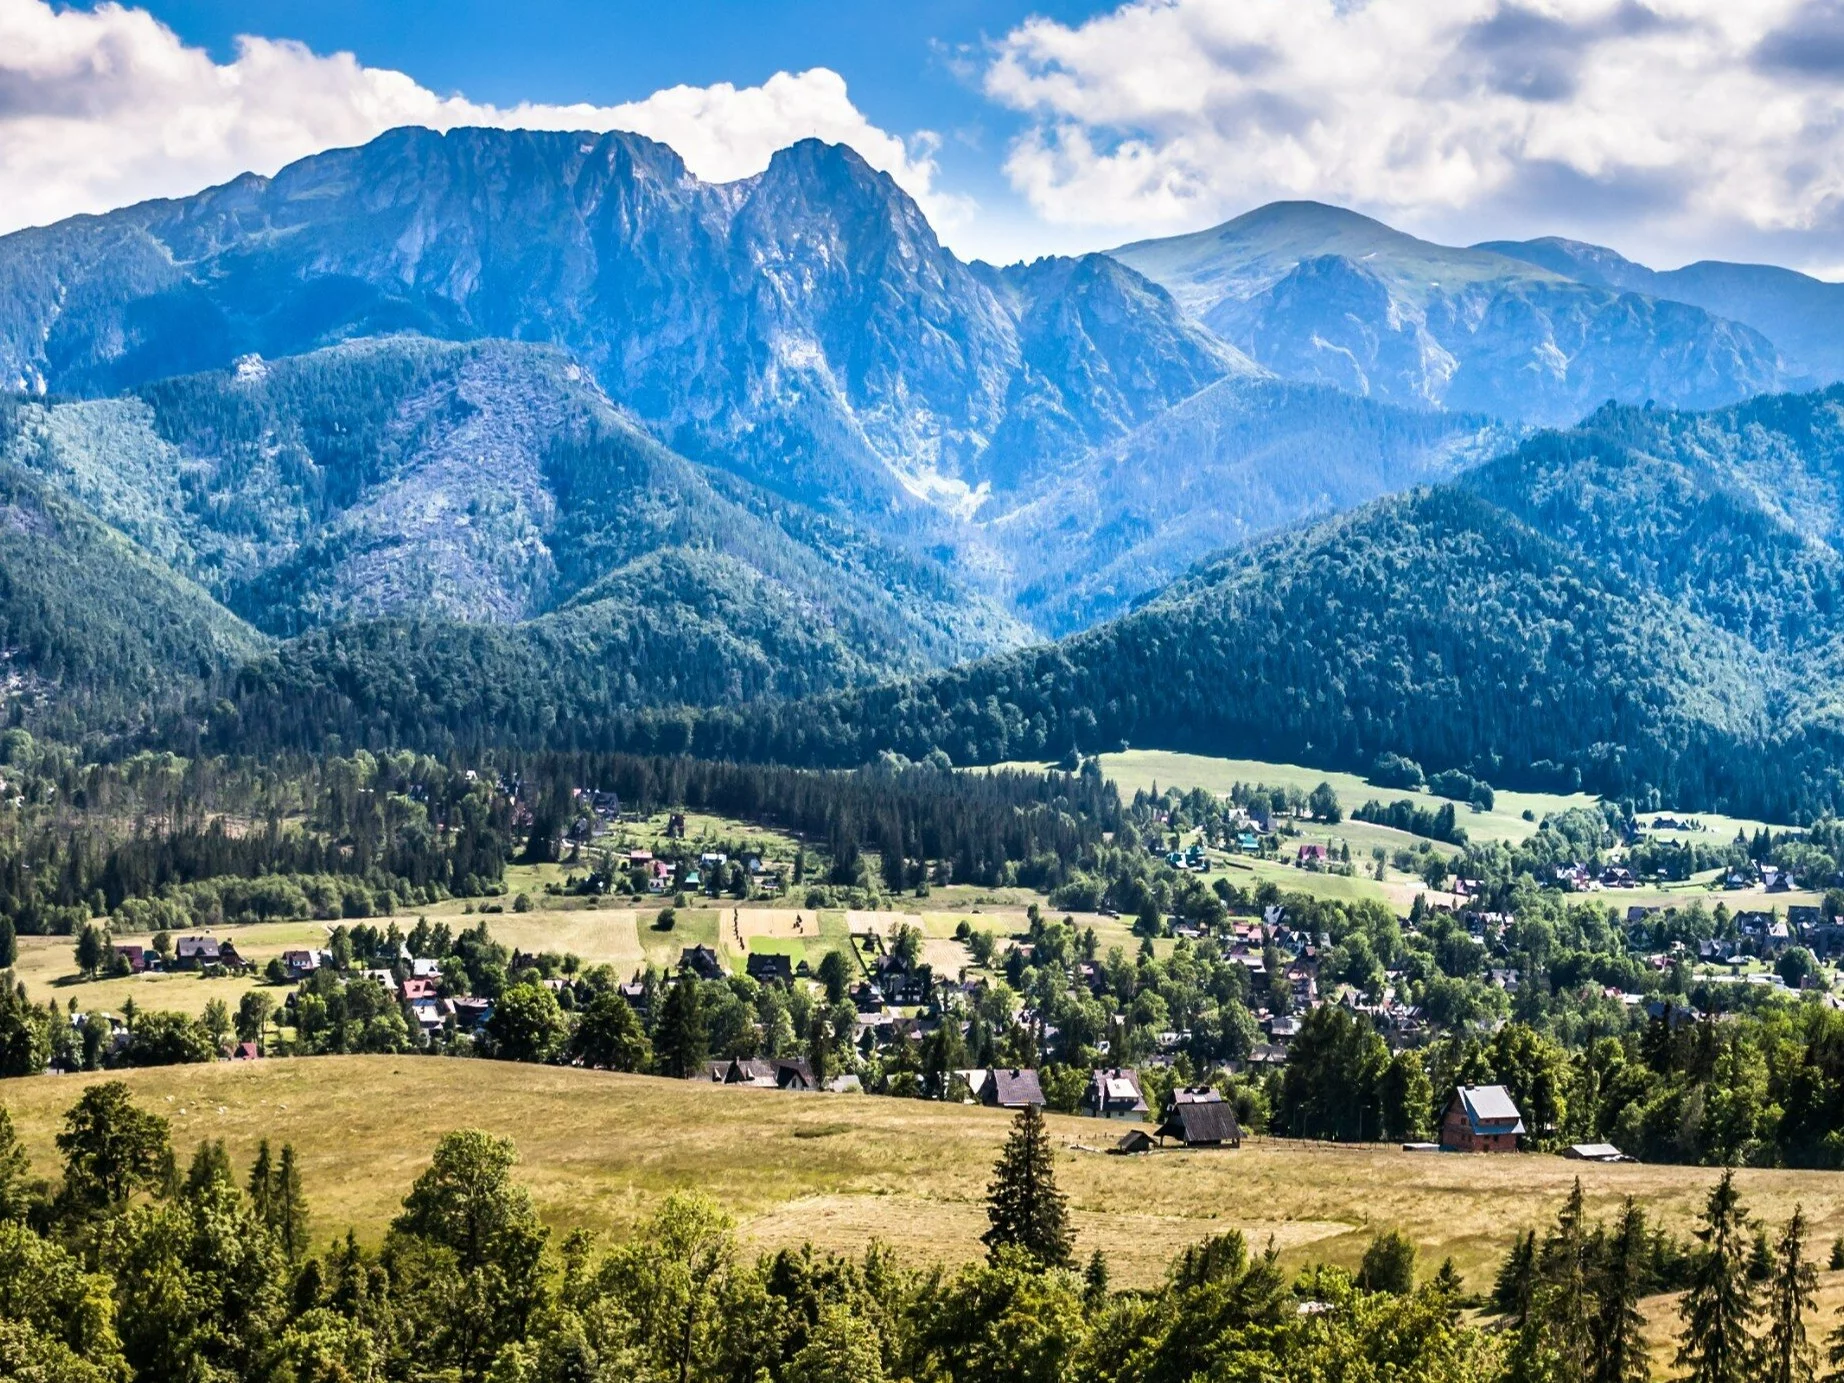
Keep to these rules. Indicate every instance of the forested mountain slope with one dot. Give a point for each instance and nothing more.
(1644, 605)
(94, 633)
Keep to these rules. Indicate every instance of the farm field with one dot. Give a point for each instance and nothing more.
(600, 1150)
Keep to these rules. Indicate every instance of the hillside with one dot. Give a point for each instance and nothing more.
(803, 327)
(1645, 605)
(1233, 462)
(601, 1150)
(93, 632)
(1318, 293)
(1802, 315)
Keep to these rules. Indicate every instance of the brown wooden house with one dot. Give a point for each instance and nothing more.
(1481, 1118)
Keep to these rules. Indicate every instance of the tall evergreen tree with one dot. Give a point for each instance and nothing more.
(1026, 1209)
(288, 1209)
(1790, 1292)
(262, 1183)
(1564, 1304)
(1719, 1306)
(1620, 1352)
(681, 1042)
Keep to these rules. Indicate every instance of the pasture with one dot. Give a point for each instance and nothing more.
(601, 1150)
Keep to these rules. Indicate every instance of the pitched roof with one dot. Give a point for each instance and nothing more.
(1207, 1122)
(1490, 1109)
(1014, 1089)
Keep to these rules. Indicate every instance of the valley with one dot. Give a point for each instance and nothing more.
(1195, 793)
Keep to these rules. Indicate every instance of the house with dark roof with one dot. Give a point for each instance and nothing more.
(197, 952)
(745, 1071)
(1005, 1089)
(1114, 1094)
(1481, 1118)
(702, 961)
(766, 968)
(795, 1075)
(1200, 1123)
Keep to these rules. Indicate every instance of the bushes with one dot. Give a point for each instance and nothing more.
(1396, 771)
(1462, 787)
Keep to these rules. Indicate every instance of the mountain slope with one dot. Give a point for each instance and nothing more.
(1234, 461)
(1322, 294)
(94, 632)
(485, 482)
(1648, 605)
(1802, 315)
(803, 327)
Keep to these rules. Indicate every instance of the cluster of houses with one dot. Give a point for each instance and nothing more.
(205, 952)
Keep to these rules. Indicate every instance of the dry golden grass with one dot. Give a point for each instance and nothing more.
(600, 1150)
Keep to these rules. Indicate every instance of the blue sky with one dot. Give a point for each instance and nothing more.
(1669, 129)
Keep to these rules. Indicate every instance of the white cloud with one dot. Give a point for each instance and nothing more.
(106, 107)
(1679, 123)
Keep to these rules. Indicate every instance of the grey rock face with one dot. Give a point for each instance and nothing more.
(1316, 293)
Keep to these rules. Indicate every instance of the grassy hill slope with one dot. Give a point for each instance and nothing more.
(600, 1151)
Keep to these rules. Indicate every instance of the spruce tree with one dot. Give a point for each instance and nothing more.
(262, 1183)
(681, 1040)
(1719, 1306)
(1790, 1292)
(1620, 1353)
(288, 1211)
(1563, 1302)
(1026, 1209)
(1517, 1278)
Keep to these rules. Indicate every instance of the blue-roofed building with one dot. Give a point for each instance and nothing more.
(1481, 1118)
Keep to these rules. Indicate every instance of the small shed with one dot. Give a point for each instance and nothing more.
(1136, 1140)
(1595, 1152)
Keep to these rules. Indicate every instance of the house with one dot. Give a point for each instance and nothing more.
(1114, 1094)
(431, 1014)
(1199, 1123)
(415, 990)
(425, 969)
(795, 1075)
(470, 1014)
(196, 952)
(1312, 855)
(1481, 1118)
(903, 983)
(766, 968)
(1006, 1089)
(754, 1072)
(702, 961)
(245, 1051)
(136, 957)
(1596, 1152)
(382, 977)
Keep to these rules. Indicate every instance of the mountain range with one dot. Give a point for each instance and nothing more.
(506, 436)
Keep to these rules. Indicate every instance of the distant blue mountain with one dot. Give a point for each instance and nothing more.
(1802, 315)
(1317, 293)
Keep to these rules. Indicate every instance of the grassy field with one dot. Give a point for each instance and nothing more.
(1142, 768)
(600, 1150)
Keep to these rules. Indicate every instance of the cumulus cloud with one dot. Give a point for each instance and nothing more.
(105, 107)
(1678, 122)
